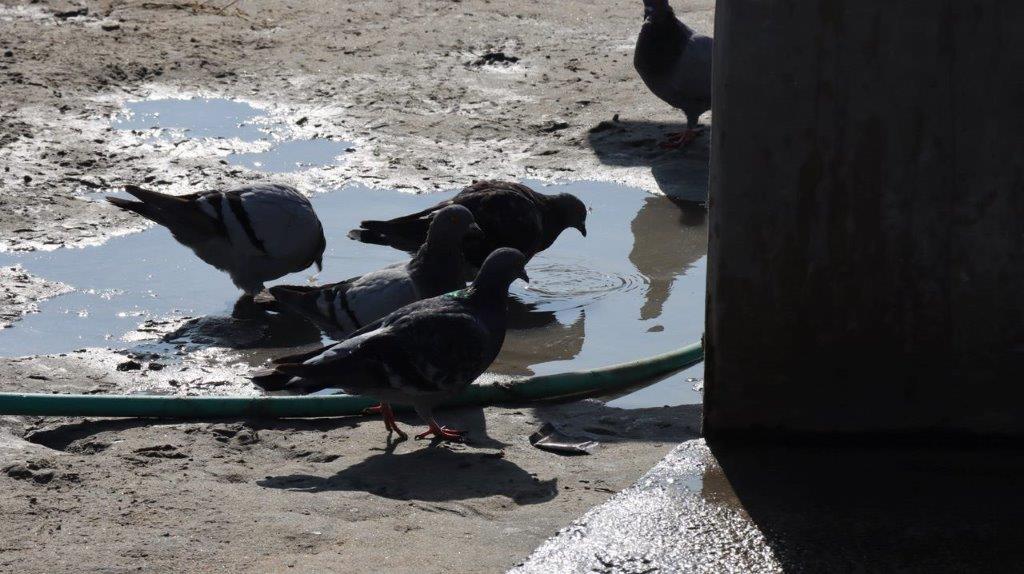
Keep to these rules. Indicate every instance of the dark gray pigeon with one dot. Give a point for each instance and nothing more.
(675, 63)
(423, 354)
(341, 308)
(510, 215)
(255, 233)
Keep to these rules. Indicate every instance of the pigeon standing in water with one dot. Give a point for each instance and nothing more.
(423, 354)
(510, 215)
(675, 63)
(341, 308)
(255, 233)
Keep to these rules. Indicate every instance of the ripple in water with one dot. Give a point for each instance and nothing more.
(571, 285)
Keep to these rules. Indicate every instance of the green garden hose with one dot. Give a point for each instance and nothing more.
(560, 386)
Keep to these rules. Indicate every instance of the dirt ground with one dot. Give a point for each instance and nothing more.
(408, 83)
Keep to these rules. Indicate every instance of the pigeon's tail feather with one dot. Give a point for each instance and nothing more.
(271, 380)
(179, 214)
(288, 377)
(367, 236)
(298, 298)
(144, 209)
(406, 233)
(299, 358)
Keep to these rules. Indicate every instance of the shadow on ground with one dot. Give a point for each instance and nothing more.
(434, 475)
(870, 509)
(680, 174)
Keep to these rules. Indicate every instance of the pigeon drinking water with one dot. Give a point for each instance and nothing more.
(422, 354)
(255, 233)
(675, 63)
(510, 215)
(437, 268)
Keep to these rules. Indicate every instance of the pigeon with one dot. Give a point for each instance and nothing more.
(510, 215)
(675, 63)
(422, 354)
(437, 268)
(255, 233)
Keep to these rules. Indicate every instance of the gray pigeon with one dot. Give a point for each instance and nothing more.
(510, 215)
(255, 233)
(422, 354)
(675, 63)
(340, 308)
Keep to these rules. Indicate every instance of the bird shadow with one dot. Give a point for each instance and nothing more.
(428, 475)
(63, 435)
(680, 174)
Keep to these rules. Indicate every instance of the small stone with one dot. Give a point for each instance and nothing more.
(129, 365)
(71, 13)
(8, 54)
(110, 25)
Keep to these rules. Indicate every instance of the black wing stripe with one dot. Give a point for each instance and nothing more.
(235, 202)
(214, 201)
(348, 310)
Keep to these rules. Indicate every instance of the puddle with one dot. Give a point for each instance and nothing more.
(217, 118)
(633, 287)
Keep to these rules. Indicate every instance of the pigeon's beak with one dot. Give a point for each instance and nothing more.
(583, 229)
(522, 275)
(474, 232)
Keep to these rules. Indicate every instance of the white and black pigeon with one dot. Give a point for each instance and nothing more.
(422, 355)
(437, 268)
(510, 215)
(675, 63)
(255, 233)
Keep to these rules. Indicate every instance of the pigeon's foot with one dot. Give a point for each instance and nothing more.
(680, 140)
(374, 410)
(442, 433)
(389, 420)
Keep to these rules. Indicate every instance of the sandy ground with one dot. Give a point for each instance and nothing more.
(404, 81)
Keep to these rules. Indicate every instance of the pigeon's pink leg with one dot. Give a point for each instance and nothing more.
(443, 433)
(680, 140)
(389, 421)
(374, 410)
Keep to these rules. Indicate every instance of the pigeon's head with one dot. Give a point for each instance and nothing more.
(501, 268)
(572, 211)
(451, 224)
(653, 8)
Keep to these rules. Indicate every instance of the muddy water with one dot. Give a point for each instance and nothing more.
(632, 288)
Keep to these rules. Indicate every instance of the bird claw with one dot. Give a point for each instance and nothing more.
(680, 140)
(443, 433)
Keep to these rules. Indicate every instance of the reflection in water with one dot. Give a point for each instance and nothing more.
(661, 250)
(550, 341)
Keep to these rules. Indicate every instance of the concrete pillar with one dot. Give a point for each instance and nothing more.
(866, 258)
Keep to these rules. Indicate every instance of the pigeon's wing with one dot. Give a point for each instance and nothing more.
(509, 214)
(690, 78)
(326, 305)
(433, 352)
(381, 292)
